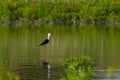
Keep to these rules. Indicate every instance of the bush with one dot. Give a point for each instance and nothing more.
(78, 68)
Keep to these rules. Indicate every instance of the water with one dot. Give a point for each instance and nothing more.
(20, 53)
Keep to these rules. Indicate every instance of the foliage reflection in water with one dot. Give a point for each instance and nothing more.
(19, 49)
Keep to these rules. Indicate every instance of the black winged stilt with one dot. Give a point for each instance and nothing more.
(46, 41)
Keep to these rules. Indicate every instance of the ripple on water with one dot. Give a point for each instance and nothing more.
(38, 72)
(102, 74)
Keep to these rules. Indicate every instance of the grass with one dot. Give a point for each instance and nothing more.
(74, 11)
(78, 68)
(9, 76)
(81, 68)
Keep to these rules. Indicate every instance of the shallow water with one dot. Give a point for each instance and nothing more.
(20, 53)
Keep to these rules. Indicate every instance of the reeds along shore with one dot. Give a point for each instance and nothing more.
(71, 11)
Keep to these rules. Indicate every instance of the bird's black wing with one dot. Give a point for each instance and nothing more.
(44, 42)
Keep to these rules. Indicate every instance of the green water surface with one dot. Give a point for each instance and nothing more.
(20, 53)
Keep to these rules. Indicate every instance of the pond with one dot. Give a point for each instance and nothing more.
(20, 53)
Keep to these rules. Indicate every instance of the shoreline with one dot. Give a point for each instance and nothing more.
(77, 22)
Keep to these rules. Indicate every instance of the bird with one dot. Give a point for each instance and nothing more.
(46, 41)
(46, 65)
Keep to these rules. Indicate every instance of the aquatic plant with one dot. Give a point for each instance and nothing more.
(12, 76)
(78, 68)
(110, 71)
(8, 75)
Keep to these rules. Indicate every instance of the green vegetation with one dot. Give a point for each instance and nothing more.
(110, 71)
(9, 76)
(6, 74)
(73, 11)
(78, 68)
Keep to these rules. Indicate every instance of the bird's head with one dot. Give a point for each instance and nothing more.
(49, 34)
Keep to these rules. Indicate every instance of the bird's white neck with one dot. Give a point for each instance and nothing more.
(48, 36)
